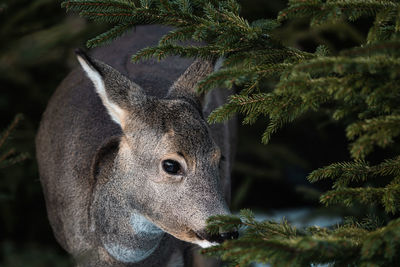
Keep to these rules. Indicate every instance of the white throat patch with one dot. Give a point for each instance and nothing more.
(146, 237)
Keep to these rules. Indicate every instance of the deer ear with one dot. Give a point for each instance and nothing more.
(116, 91)
(185, 86)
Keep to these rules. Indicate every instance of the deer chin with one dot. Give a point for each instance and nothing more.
(191, 237)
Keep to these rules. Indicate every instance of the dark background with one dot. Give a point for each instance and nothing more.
(36, 52)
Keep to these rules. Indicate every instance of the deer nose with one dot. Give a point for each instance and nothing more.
(220, 237)
(229, 235)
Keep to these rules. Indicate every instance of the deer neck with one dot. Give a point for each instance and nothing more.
(125, 233)
(141, 239)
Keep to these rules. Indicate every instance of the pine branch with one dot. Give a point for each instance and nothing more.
(222, 113)
(343, 172)
(179, 35)
(281, 244)
(386, 196)
(97, 5)
(6, 134)
(163, 51)
(379, 131)
(10, 157)
(321, 12)
(109, 35)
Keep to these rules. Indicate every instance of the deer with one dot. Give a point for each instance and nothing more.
(130, 168)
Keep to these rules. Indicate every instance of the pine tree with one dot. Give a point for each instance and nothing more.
(358, 87)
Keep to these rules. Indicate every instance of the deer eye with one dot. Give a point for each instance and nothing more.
(171, 166)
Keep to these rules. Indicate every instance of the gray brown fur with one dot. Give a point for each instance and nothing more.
(95, 173)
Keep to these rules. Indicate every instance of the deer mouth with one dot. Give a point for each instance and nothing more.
(200, 238)
(196, 237)
(205, 240)
(203, 243)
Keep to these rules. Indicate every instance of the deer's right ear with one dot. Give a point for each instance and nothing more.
(116, 91)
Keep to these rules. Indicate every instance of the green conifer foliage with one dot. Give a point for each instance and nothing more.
(10, 156)
(358, 87)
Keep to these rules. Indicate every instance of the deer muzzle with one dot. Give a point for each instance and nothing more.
(217, 238)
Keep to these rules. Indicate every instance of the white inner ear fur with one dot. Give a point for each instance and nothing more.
(117, 114)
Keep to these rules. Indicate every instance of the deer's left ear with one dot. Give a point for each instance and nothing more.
(185, 86)
(116, 91)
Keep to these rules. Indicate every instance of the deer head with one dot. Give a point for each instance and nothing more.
(164, 175)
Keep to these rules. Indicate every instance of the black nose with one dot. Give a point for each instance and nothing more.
(229, 235)
(219, 238)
